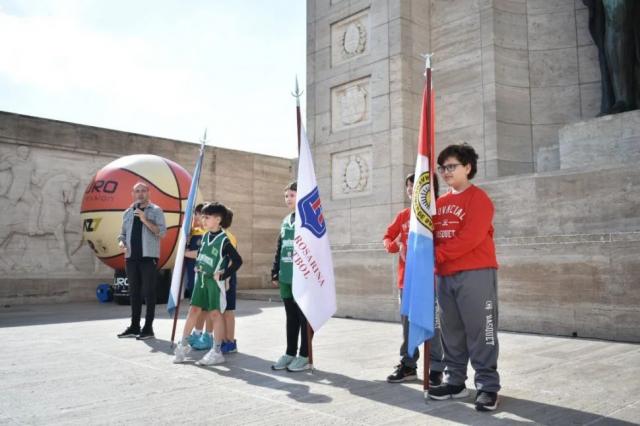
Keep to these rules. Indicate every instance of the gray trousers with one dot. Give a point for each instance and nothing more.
(435, 361)
(468, 304)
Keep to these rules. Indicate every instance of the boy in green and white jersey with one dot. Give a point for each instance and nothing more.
(282, 276)
(209, 288)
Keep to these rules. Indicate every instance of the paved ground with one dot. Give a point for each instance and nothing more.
(62, 364)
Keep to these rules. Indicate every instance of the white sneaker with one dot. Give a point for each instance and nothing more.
(181, 353)
(211, 358)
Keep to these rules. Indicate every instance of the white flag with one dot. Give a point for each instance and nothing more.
(313, 282)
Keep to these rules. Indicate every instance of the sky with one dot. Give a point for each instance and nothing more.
(164, 68)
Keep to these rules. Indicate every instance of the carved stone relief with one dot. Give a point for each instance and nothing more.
(40, 195)
(351, 173)
(350, 104)
(350, 37)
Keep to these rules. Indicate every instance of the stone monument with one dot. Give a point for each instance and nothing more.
(518, 80)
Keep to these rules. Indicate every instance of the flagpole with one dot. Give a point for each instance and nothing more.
(426, 351)
(175, 314)
(297, 94)
(427, 344)
(177, 310)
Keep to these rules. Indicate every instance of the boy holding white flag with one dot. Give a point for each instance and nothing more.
(282, 277)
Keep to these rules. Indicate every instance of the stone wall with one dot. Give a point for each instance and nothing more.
(568, 241)
(54, 161)
(518, 80)
(509, 75)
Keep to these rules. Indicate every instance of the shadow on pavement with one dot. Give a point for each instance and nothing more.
(159, 346)
(26, 315)
(252, 370)
(257, 372)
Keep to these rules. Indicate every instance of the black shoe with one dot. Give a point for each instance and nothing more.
(403, 374)
(486, 401)
(435, 378)
(129, 332)
(446, 391)
(145, 335)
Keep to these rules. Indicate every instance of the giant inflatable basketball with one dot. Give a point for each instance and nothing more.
(109, 195)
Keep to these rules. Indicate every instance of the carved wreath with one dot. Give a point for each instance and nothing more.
(355, 175)
(354, 39)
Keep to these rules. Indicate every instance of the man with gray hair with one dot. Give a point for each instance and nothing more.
(143, 226)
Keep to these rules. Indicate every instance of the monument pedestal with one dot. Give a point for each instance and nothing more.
(568, 240)
(602, 141)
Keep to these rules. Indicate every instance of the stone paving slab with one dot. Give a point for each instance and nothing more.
(62, 364)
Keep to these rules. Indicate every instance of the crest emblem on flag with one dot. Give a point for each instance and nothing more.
(310, 208)
(422, 200)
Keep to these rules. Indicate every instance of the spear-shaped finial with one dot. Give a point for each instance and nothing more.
(297, 93)
(203, 140)
(427, 61)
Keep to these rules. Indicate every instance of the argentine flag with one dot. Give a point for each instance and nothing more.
(418, 294)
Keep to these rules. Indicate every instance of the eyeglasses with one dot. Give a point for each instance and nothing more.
(448, 167)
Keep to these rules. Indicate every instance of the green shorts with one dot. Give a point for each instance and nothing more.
(285, 290)
(206, 293)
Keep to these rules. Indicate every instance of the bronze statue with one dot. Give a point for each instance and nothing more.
(615, 28)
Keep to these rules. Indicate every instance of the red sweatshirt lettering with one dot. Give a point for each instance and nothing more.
(464, 232)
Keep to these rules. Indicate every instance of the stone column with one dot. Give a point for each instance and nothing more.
(481, 78)
(364, 84)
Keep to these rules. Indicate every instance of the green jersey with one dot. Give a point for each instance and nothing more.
(285, 277)
(210, 257)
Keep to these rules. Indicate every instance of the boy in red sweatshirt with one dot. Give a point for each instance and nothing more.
(395, 241)
(467, 283)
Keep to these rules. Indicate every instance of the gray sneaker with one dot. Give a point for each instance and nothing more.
(301, 363)
(282, 362)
